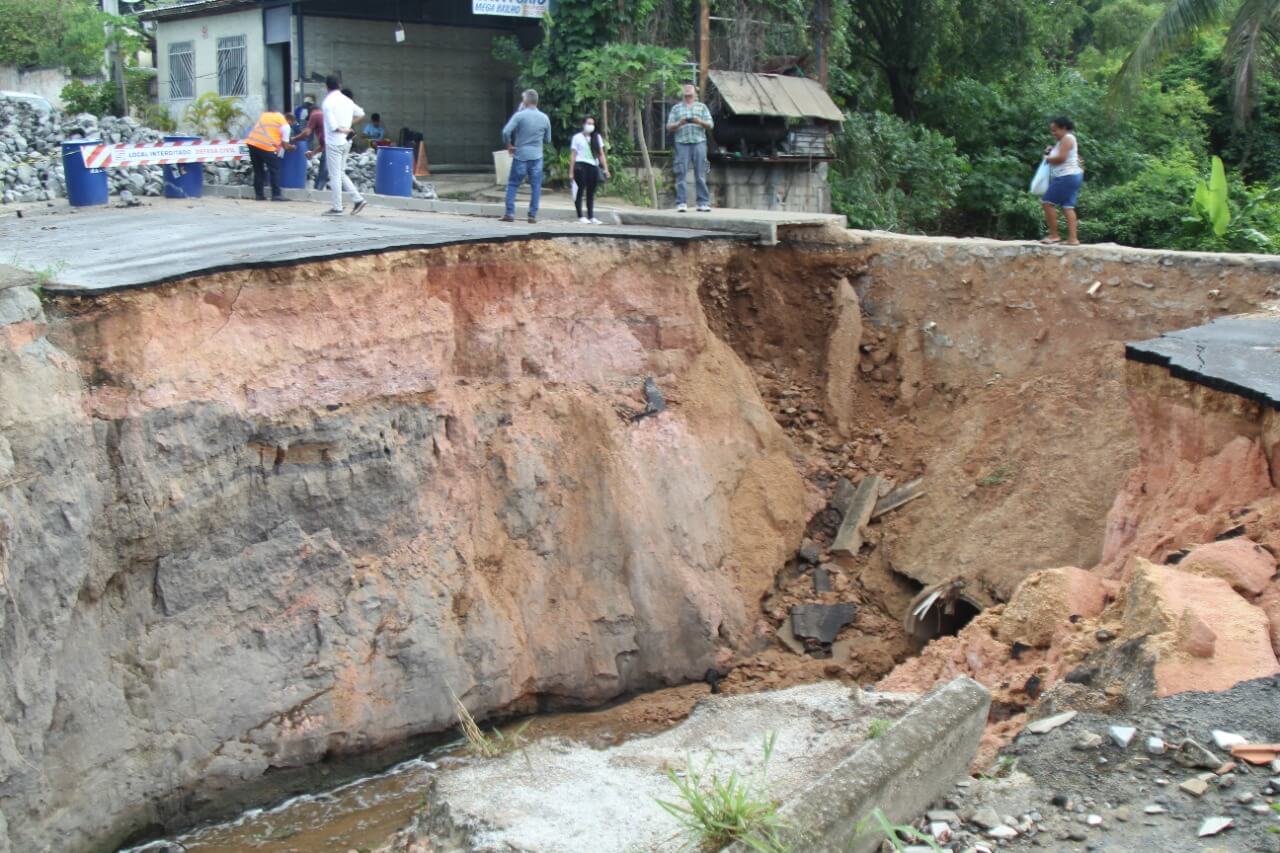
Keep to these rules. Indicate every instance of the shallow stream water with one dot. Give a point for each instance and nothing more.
(363, 813)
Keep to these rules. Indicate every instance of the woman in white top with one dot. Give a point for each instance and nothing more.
(1066, 174)
(586, 163)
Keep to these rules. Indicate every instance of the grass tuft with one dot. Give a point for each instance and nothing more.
(999, 475)
(486, 745)
(716, 811)
(877, 728)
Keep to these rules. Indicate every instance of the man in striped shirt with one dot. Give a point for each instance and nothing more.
(690, 120)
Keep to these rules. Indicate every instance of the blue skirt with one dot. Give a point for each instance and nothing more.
(1063, 190)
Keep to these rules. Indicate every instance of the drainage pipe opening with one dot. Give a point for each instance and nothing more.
(940, 610)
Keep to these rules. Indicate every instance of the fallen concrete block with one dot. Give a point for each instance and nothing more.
(901, 772)
(848, 539)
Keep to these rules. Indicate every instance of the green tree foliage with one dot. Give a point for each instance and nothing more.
(630, 73)
(69, 34)
(1249, 49)
(895, 176)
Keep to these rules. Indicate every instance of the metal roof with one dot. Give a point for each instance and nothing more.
(749, 94)
(193, 8)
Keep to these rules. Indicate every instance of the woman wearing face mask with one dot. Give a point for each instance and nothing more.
(587, 162)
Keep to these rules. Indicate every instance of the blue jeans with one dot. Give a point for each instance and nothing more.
(521, 169)
(695, 153)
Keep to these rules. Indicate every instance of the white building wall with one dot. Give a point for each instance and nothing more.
(441, 81)
(203, 33)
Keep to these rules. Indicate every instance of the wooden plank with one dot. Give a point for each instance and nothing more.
(848, 539)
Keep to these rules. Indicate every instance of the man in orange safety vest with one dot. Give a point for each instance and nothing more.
(267, 143)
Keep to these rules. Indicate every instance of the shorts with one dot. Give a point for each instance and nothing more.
(1063, 190)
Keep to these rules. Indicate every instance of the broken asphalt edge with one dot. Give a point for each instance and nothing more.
(901, 772)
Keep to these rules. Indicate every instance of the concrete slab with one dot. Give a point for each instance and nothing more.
(86, 251)
(1237, 355)
(559, 797)
(901, 772)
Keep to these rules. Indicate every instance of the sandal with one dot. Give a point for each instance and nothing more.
(1073, 243)
(1046, 241)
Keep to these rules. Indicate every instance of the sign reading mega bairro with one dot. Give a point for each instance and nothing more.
(510, 8)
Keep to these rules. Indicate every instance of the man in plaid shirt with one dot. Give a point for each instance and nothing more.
(690, 120)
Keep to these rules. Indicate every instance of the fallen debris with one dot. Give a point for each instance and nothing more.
(1195, 786)
(821, 622)
(1048, 724)
(1214, 825)
(848, 539)
(1122, 736)
(1256, 753)
(899, 497)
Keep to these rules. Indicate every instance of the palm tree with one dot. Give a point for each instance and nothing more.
(1251, 43)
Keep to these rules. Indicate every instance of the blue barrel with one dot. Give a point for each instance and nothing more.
(85, 187)
(293, 171)
(395, 172)
(183, 180)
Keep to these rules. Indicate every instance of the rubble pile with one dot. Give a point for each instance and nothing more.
(31, 137)
(1163, 777)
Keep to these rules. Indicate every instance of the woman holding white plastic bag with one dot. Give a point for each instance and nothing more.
(1066, 175)
(586, 164)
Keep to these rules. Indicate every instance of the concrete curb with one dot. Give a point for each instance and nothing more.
(901, 772)
(763, 228)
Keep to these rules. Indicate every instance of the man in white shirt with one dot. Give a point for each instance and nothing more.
(340, 113)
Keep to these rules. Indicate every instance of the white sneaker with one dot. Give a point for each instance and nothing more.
(681, 208)
(704, 208)
(595, 221)
(582, 220)
(332, 212)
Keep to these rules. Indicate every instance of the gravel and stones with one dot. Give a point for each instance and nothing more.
(1107, 798)
(31, 168)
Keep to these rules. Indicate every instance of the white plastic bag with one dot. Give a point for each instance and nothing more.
(1040, 180)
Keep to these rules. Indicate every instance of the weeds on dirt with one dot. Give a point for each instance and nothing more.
(877, 728)
(999, 475)
(1004, 765)
(717, 811)
(899, 836)
(486, 745)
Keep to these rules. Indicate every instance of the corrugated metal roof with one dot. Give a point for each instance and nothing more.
(192, 8)
(749, 94)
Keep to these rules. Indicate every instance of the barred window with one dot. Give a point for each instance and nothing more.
(233, 74)
(182, 70)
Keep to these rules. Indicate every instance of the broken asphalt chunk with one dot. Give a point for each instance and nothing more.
(1191, 754)
(821, 622)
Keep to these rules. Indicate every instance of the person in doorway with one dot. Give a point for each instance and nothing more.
(340, 113)
(374, 131)
(267, 143)
(690, 120)
(303, 111)
(1066, 174)
(587, 164)
(525, 133)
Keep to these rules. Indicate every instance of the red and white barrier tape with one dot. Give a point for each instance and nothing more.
(162, 153)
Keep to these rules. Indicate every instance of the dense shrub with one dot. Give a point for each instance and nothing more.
(893, 175)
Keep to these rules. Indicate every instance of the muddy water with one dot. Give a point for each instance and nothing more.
(358, 815)
(362, 814)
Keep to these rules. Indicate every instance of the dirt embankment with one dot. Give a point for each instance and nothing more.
(996, 373)
(267, 518)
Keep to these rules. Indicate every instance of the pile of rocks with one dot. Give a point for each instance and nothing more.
(1163, 778)
(31, 137)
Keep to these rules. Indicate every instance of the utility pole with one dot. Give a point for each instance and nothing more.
(824, 39)
(704, 45)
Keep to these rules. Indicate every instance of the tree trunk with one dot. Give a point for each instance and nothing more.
(644, 151)
(902, 86)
